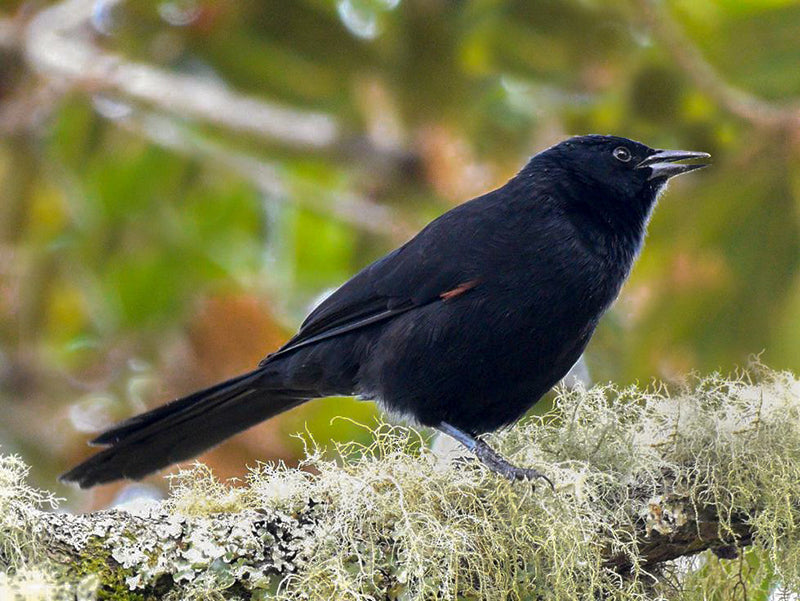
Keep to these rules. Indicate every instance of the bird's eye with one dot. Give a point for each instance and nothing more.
(622, 154)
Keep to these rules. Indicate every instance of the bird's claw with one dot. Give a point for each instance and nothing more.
(491, 458)
(496, 463)
(530, 474)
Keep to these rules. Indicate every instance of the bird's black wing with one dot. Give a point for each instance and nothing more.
(424, 270)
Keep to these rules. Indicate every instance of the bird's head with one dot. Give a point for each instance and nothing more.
(614, 179)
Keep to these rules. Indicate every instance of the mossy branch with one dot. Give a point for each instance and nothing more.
(643, 478)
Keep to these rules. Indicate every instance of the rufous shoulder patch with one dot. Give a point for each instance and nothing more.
(459, 290)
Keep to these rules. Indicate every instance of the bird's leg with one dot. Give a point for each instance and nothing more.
(491, 458)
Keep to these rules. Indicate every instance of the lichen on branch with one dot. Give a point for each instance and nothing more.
(644, 480)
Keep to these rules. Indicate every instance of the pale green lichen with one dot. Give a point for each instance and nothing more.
(393, 521)
(20, 505)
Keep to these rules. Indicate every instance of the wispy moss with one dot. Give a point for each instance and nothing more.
(20, 505)
(633, 470)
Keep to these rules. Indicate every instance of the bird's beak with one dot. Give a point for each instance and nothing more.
(663, 163)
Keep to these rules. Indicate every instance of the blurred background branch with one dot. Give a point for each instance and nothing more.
(748, 106)
(59, 45)
(345, 207)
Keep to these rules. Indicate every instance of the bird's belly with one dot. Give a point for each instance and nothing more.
(468, 365)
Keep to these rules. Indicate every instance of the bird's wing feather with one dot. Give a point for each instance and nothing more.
(419, 272)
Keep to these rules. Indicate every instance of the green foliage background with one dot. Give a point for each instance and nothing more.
(140, 256)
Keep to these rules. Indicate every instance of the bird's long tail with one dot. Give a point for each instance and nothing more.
(181, 429)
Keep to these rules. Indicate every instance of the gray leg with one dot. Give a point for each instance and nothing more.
(491, 458)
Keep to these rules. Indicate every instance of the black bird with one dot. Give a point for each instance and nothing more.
(463, 328)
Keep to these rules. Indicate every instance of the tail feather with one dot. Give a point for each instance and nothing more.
(183, 408)
(181, 429)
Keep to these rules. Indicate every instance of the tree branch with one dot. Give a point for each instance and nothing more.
(643, 478)
(149, 549)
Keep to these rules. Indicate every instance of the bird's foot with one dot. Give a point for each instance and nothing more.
(499, 465)
(492, 459)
